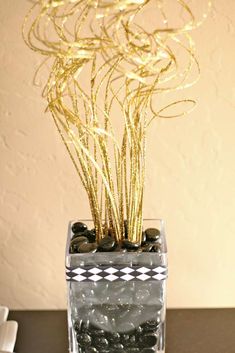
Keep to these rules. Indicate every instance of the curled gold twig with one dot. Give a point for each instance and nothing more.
(108, 67)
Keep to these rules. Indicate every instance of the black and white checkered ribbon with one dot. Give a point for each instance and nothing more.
(116, 273)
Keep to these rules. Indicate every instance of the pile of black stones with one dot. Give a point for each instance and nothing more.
(92, 339)
(84, 241)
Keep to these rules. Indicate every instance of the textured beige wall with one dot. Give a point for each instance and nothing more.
(190, 177)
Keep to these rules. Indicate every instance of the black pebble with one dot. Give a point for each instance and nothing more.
(96, 331)
(76, 235)
(79, 239)
(119, 249)
(84, 339)
(156, 248)
(130, 245)
(124, 338)
(93, 231)
(152, 234)
(77, 326)
(75, 244)
(139, 330)
(90, 234)
(106, 244)
(117, 347)
(133, 350)
(84, 327)
(151, 325)
(148, 340)
(79, 227)
(88, 247)
(113, 337)
(132, 341)
(143, 237)
(80, 327)
(100, 342)
(91, 350)
(148, 350)
(147, 247)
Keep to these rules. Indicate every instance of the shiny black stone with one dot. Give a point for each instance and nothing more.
(152, 234)
(117, 347)
(93, 233)
(98, 333)
(76, 235)
(148, 340)
(147, 247)
(78, 227)
(88, 247)
(143, 237)
(84, 339)
(151, 325)
(77, 326)
(119, 249)
(124, 338)
(95, 331)
(75, 244)
(148, 350)
(79, 239)
(156, 248)
(90, 234)
(139, 331)
(107, 244)
(130, 245)
(80, 327)
(100, 342)
(133, 350)
(113, 337)
(91, 350)
(83, 327)
(132, 341)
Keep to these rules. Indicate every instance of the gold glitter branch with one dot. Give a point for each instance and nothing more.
(106, 68)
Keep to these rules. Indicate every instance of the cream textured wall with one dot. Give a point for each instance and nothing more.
(190, 177)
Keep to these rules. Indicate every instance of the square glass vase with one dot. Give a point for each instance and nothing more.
(117, 301)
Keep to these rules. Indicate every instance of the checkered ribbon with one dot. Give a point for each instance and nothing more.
(115, 273)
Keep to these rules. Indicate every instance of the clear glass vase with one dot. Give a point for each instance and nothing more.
(117, 301)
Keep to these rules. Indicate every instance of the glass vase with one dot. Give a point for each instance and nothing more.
(117, 300)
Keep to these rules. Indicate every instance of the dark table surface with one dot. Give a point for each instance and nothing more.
(188, 331)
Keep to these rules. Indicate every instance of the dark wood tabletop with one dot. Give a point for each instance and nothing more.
(188, 331)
